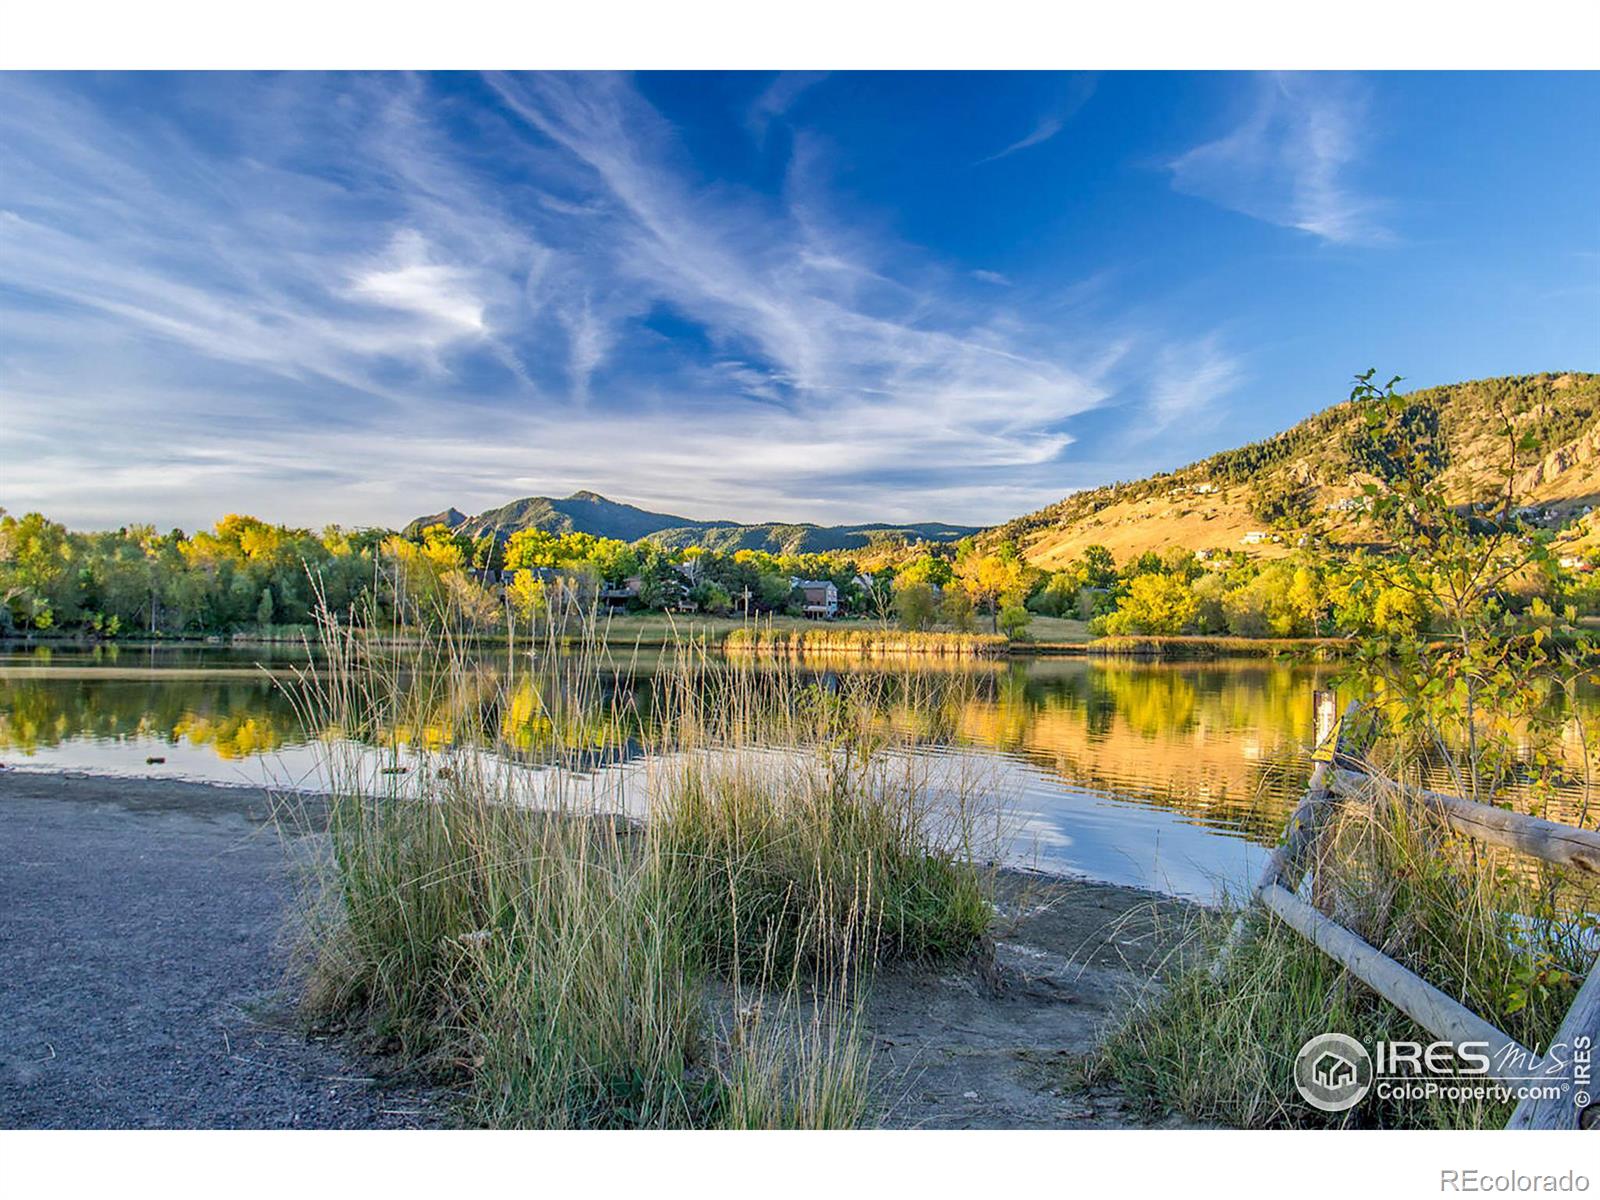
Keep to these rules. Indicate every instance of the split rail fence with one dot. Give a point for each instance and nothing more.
(1337, 776)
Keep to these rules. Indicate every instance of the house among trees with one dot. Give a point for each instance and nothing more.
(621, 595)
(821, 597)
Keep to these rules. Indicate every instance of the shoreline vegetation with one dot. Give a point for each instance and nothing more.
(823, 640)
(954, 1044)
(567, 964)
(798, 639)
(1512, 939)
(701, 946)
(819, 641)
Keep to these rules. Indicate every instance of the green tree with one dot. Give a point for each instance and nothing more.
(38, 574)
(1099, 567)
(914, 604)
(956, 610)
(1014, 619)
(926, 569)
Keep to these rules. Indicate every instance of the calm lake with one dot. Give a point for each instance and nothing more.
(1169, 776)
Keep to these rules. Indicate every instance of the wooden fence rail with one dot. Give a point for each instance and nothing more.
(1563, 845)
(1334, 778)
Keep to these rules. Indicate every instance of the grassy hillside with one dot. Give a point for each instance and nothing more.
(1314, 469)
(588, 512)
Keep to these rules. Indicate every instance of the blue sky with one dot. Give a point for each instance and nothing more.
(841, 297)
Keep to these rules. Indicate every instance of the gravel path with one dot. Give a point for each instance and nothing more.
(140, 974)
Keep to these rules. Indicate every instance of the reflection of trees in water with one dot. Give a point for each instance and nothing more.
(236, 716)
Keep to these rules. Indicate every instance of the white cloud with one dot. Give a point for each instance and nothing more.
(442, 295)
(1290, 161)
(1075, 90)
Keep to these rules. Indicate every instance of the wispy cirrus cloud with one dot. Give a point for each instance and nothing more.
(1046, 129)
(1292, 161)
(778, 97)
(316, 298)
(1075, 93)
(1191, 381)
(441, 295)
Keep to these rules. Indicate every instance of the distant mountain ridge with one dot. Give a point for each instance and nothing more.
(592, 513)
(1235, 499)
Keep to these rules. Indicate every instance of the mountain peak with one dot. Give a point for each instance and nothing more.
(585, 511)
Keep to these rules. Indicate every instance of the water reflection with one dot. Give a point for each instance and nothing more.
(1172, 776)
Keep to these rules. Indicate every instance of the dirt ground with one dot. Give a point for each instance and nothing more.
(990, 1046)
(143, 982)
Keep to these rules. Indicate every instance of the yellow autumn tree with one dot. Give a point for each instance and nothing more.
(527, 595)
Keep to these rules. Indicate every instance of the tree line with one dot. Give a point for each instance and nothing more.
(246, 575)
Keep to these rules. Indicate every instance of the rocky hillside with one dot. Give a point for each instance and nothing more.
(1252, 498)
(589, 512)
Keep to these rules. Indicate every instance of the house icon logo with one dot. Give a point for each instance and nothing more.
(1333, 1072)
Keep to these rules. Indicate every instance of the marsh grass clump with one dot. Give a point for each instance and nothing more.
(554, 935)
(521, 950)
(797, 868)
(1177, 648)
(1512, 942)
(795, 819)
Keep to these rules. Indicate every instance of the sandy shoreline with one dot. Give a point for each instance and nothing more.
(145, 981)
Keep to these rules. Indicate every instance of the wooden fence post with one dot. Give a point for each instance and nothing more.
(1579, 1033)
(1285, 866)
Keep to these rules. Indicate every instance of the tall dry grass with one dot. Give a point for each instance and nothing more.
(561, 937)
(823, 639)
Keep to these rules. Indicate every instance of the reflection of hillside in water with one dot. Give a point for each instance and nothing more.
(1219, 744)
(1223, 744)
